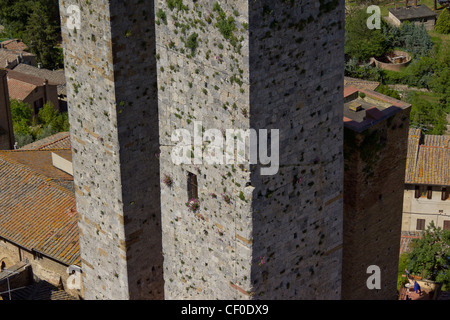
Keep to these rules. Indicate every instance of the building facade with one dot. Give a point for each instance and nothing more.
(427, 182)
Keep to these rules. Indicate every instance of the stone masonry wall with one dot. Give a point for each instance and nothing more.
(6, 129)
(296, 84)
(111, 83)
(373, 203)
(261, 65)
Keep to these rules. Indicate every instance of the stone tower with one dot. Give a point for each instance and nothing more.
(375, 148)
(110, 70)
(6, 126)
(242, 65)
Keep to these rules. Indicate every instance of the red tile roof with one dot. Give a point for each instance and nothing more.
(20, 90)
(37, 213)
(14, 45)
(428, 159)
(60, 140)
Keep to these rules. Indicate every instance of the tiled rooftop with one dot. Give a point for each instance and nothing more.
(14, 45)
(428, 159)
(360, 83)
(60, 140)
(36, 212)
(412, 12)
(373, 108)
(53, 76)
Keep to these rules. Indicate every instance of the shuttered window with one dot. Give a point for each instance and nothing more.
(420, 224)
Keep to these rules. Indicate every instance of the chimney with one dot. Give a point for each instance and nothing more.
(406, 4)
(415, 3)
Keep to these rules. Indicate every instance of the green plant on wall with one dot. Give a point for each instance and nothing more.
(192, 43)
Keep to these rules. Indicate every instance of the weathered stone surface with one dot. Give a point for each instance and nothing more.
(110, 70)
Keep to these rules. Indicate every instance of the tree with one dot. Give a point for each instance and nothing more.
(52, 120)
(383, 89)
(430, 255)
(362, 43)
(42, 37)
(37, 23)
(443, 22)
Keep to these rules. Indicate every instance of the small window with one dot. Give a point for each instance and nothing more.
(420, 191)
(192, 186)
(445, 194)
(446, 224)
(429, 192)
(420, 224)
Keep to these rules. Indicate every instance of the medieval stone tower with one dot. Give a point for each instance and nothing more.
(139, 71)
(6, 126)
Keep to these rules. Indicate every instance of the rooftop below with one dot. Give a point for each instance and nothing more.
(412, 12)
(364, 108)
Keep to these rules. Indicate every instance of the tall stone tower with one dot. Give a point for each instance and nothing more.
(242, 65)
(110, 70)
(6, 126)
(375, 148)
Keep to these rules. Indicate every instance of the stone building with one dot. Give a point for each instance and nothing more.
(226, 65)
(427, 182)
(375, 148)
(6, 126)
(35, 91)
(38, 221)
(56, 77)
(418, 14)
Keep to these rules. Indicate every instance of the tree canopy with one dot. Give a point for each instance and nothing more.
(362, 43)
(37, 23)
(443, 22)
(28, 128)
(430, 255)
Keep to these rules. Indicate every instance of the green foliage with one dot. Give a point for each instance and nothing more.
(225, 25)
(383, 89)
(443, 22)
(37, 22)
(48, 116)
(28, 129)
(362, 43)
(20, 112)
(402, 265)
(23, 139)
(413, 38)
(430, 255)
(160, 14)
(192, 43)
(427, 113)
(176, 4)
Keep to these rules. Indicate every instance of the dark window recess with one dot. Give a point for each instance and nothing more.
(429, 193)
(445, 194)
(416, 192)
(446, 224)
(192, 186)
(420, 224)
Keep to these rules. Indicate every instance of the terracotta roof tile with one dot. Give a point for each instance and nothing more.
(59, 140)
(428, 159)
(20, 90)
(37, 213)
